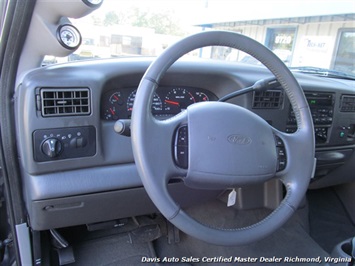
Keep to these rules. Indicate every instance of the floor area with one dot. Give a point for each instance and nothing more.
(151, 239)
(329, 222)
(289, 241)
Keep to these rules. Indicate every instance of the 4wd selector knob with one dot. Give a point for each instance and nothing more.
(52, 147)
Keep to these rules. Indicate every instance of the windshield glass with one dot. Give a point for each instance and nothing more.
(317, 34)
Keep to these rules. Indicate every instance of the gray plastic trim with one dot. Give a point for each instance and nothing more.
(23, 240)
(84, 181)
(342, 250)
(105, 206)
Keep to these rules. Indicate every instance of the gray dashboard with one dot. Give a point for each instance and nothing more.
(71, 155)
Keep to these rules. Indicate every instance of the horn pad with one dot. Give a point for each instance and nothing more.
(228, 146)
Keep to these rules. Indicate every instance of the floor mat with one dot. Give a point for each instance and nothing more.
(121, 242)
(113, 250)
(329, 222)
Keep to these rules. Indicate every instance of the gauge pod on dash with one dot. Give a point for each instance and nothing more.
(69, 36)
(93, 3)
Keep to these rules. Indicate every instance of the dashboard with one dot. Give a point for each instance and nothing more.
(73, 161)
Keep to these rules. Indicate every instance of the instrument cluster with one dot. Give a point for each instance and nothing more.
(167, 101)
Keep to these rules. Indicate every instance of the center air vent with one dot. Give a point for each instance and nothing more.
(64, 102)
(347, 103)
(270, 99)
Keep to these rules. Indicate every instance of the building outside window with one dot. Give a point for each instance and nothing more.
(281, 42)
(345, 53)
(318, 40)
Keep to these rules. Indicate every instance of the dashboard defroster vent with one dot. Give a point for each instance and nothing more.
(65, 101)
(347, 103)
(270, 99)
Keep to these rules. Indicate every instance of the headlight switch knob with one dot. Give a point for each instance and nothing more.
(52, 147)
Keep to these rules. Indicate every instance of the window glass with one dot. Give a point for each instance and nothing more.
(298, 32)
(345, 55)
(280, 41)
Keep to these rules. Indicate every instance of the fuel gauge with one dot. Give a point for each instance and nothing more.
(112, 106)
(111, 113)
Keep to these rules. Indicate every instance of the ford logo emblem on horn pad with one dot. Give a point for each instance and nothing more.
(239, 139)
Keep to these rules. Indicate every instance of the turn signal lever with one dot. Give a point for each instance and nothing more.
(123, 127)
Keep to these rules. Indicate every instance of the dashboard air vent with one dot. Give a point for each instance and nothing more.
(270, 99)
(347, 103)
(65, 102)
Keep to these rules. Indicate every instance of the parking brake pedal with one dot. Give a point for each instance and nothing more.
(64, 250)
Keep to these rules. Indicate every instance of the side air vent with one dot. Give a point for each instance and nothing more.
(65, 102)
(347, 103)
(270, 99)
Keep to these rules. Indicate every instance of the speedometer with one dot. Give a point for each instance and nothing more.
(177, 100)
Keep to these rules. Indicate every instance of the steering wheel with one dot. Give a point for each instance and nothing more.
(215, 145)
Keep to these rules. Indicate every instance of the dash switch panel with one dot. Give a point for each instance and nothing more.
(64, 143)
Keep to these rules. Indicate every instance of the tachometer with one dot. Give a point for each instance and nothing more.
(157, 104)
(177, 100)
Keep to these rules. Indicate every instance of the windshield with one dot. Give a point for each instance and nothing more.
(317, 34)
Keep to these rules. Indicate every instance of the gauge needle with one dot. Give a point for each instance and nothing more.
(68, 37)
(115, 96)
(172, 102)
(112, 111)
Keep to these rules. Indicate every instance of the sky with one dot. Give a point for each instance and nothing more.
(207, 11)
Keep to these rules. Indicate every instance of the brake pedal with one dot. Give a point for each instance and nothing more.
(173, 234)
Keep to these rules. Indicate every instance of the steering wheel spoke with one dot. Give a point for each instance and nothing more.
(161, 146)
(289, 149)
(174, 130)
(298, 163)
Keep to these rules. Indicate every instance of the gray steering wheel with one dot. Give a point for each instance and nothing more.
(221, 153)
